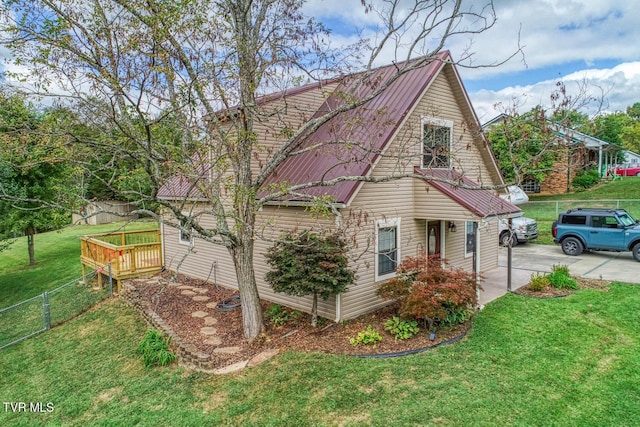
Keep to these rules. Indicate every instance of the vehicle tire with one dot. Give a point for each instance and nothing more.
(636, 252)
(572, 246)
(638, 174)
(506, 239)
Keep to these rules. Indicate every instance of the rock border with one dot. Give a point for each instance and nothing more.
(188, 355)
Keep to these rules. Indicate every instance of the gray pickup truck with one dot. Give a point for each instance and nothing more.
(598, 230)
(523, 229)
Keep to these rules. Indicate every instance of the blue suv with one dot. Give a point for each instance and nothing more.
(597, 229)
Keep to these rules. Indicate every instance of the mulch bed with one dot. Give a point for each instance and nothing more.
(551, 292)
(167, 300)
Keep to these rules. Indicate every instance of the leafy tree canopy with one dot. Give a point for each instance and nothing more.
(33, 182)
(525, 146)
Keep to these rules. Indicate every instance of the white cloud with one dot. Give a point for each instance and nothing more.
(616, 87)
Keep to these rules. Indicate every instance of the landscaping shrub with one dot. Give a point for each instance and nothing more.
(400, 328)
(431, 290)
(306, 263)
(367, 337)
(154, 349)
(560, 278)
(539, 282)
(278, 315)
(585, 179)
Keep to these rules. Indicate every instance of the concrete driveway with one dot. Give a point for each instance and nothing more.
(528, 259)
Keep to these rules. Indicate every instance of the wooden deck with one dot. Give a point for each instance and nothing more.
(130, 253)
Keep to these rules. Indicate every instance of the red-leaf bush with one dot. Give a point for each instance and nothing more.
(431, 290)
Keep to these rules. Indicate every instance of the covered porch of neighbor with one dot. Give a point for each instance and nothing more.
(128, 253)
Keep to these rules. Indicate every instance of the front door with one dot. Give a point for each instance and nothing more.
(433, 239)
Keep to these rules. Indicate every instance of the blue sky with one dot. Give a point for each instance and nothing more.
(591, 45)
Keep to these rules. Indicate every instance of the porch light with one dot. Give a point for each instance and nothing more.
(452, 226)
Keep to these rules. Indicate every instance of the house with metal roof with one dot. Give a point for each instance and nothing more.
(577, 151)
(405, 172)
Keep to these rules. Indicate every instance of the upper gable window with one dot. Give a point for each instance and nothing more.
(436, 142)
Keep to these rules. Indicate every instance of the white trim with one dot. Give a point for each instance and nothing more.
(437, 121)
(440, 122)
(466, 225)
(387, 223)
(180, 233)
(478, 252)
(442, 241)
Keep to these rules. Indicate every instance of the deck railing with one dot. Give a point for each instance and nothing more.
(130, 253)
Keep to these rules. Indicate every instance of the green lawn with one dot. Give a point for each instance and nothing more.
(57, 261)
(564, 362)
(526, 362)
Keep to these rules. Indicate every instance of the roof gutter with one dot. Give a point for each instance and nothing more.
(298, 203)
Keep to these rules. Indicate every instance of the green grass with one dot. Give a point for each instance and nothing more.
(57, 261)
(562, 362)
(623, 193)
(625, 188)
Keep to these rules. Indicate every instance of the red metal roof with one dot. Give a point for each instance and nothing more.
(483, 203)
(351, 142)
(182, 185)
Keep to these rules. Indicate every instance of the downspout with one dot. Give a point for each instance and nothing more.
(476, 254)
(338, 215)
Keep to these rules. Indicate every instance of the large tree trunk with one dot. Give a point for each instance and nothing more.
(30, 232)
(252, 322)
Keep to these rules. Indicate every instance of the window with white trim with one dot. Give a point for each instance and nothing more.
(436, 142)
(185, 236)
(470, 239)
(387, 248)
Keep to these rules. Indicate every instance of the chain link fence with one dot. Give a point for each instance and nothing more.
(40, 313)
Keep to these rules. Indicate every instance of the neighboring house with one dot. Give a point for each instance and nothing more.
(424, 125)
(577, 151)
(631, 157)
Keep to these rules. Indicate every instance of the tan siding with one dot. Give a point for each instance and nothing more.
(412, 201)
(207, 261)
(416, 202)
(489, 245)
(288, 113)
(374, 202)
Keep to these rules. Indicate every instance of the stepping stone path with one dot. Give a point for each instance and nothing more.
(209, 332)
(197, 294)
(213, 341)
(226, 350)
(199, 314)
